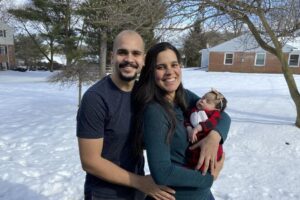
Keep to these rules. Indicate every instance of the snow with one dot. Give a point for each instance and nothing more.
(39, 154)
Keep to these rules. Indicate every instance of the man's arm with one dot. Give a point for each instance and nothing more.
(92, 162)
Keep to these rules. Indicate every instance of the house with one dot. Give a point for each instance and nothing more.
(243, 54)
(7, 49)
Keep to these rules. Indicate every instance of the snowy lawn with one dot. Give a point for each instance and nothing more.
(39, 154)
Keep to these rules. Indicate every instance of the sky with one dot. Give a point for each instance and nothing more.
(38, 145)
(20, 2)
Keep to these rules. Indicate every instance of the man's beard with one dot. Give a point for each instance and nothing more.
(127, 78)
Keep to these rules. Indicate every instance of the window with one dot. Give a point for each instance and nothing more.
(3, 50)
(4, 65)
(260, 59)
(228, 59)
(2, 33)
(294, 59)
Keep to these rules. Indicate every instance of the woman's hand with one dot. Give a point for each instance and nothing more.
(208, 154)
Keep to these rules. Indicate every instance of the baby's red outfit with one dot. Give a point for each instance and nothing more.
(208, 125)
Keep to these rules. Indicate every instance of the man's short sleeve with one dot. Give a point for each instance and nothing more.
(91, 116)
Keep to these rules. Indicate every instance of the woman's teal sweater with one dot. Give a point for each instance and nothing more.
(167, 161)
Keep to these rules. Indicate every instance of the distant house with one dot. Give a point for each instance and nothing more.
(243, 54)
(7, 49)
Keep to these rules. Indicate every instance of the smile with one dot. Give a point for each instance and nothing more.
(170, 80)
(127, 65)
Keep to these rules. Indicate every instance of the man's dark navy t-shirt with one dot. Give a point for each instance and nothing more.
(105, 112)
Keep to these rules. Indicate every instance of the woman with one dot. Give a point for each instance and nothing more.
(160, 102)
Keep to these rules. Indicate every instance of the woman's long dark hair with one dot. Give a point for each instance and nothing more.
(146, 91)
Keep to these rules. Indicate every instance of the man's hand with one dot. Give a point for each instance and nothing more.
(157, 192)
(209, 148)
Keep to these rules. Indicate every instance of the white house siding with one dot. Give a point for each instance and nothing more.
(204, 58)
(7, 59)
(9, 39)
(295, 43)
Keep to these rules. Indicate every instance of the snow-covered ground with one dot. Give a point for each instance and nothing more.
(39, 154)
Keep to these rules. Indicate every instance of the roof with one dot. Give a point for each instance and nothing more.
(244, 43)
(295, 43)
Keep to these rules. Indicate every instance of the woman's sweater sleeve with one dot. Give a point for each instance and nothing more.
(223, 126)
(163, 171)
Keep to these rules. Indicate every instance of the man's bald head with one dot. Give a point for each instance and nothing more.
(127, 34)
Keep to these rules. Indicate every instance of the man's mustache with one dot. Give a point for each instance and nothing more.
(125, 64)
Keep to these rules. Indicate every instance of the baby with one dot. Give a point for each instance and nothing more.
(202, 119)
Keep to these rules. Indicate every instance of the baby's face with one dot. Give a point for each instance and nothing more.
(206, 104)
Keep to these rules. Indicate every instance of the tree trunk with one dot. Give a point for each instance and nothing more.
(79, 90)
(69, 61)
(51, 63)
(51, 56)
(297, 102)
(291, 85)
(103, 53)
(67, 44)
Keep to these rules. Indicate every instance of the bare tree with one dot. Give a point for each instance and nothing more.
(79, 73)
(4, 6)
(104, 19)
(269, 21)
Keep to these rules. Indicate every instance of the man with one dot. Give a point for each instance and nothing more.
(103, 130)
